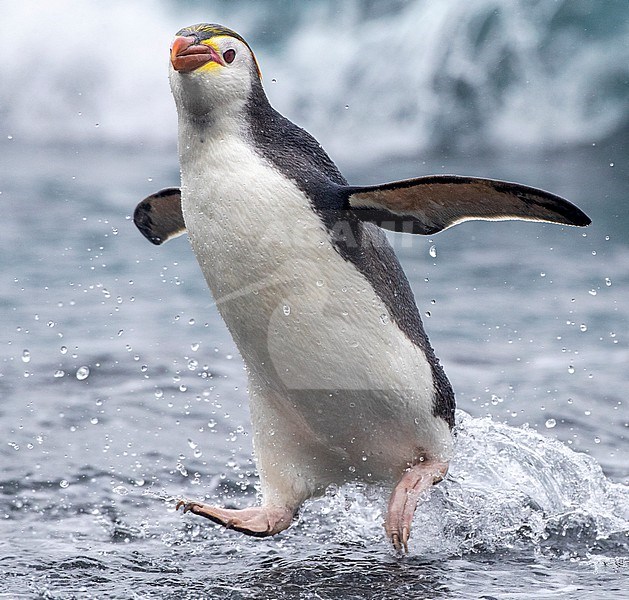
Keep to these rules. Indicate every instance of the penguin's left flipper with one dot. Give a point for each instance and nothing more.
(159, 217)
(427, 205)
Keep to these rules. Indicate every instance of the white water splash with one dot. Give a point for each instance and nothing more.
(507, 488)
(399, 80)
(509, 485)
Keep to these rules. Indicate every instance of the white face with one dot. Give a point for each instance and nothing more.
(210, 72)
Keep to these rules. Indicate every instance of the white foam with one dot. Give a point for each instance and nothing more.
(508, 487)
(414, 77)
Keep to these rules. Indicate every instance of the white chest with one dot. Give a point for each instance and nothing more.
(244, 218)
(305, 320)
(283, 290)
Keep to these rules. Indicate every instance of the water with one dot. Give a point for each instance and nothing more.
(393, 78)
(120, 389)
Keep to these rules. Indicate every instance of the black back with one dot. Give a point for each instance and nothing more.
(299, 157)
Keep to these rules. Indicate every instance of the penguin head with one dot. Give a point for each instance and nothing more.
(211, 67)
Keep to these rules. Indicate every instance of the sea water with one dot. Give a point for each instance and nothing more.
(121, 390)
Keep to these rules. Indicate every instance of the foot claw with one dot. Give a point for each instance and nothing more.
(405, 536)
(400, 541)
(255, 521)
(404, 499)
(187, 506)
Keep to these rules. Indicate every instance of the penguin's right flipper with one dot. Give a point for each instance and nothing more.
(159, 217)
(427, 205)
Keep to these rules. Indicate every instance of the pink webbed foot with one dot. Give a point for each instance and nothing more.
(405, 496)
(258, 521)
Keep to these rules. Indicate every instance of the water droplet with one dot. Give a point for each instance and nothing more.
(191, 322)
(192, 444)
(193, 364)
(597, 440)
(82, 373)
(384, 318)
(286, 310)
(94, 420)
(550, 423)
(320, 282)
(433, 251)
(64, 483)
(26, 356)
(194, 347)
(608, 281)
(159, 393)
(571, 369)
(121, 490)
(332, 490)
(583, 327)
(592, 292)
(63, 349)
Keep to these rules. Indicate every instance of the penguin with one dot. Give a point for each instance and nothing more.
(343, 382)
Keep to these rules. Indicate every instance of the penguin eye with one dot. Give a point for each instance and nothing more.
(229, 55)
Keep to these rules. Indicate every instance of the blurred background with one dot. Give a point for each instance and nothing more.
(398, 78)
(120, 386)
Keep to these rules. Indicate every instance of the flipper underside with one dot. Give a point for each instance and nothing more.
(425, 205)
(159, 217)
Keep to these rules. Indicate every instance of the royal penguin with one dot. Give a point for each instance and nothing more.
(343, 382)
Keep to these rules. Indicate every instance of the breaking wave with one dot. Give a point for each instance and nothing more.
(395, 78)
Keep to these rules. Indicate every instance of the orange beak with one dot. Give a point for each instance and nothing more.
(187, 54)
